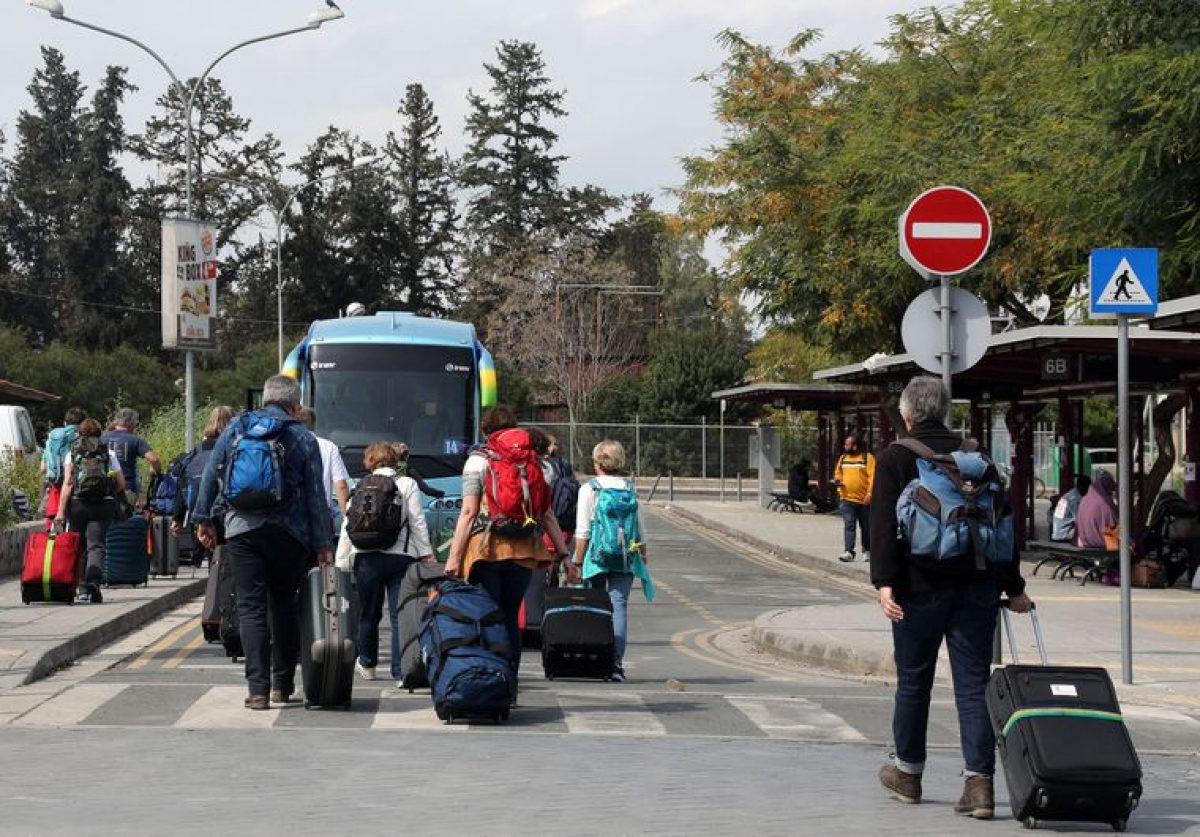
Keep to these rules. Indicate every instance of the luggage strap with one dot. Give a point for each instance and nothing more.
(494, 617)
(577, 609)
(46, 567)
(1059, 712)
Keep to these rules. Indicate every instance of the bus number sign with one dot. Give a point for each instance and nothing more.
(1056, 366)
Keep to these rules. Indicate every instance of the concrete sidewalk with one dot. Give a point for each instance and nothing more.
(1081, 624)
(36, 639)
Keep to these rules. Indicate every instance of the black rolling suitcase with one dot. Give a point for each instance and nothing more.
(328, 622)
(1063, 743)
(415, 589)
(577, 633)
(127, 553)
(164, 553)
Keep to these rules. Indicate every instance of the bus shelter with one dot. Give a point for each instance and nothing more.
(1183, 314)
(1025, 369)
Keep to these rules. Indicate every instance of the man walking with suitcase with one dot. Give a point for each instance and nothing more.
(929, 599)
(267, 468)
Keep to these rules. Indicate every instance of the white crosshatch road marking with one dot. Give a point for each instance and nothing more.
(795, 718)
(945, 229)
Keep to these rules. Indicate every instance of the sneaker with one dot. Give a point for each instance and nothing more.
(93, 591)
(281, 695)
(365, 672)
(867, 557)
(903, 786)
(846, 557)
(618, 675)
(257, 702)
(978, 798)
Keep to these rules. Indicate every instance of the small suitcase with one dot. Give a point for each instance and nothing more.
(577, 633)
(164, 553)
(533, 607)
(127, 553)
(229, 624)
(1065, 749)
(328, 620)
(50, 569)
(210, 616)
(415, 590)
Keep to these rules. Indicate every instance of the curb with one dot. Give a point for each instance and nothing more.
(70, 650)
(845, 571)
(819, 652)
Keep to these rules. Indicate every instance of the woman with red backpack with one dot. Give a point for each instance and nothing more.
(506, 507)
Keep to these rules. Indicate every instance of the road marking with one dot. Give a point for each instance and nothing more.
(795, 718)
(185, 652)
(390, 717)
(1140, 712)
(946, 229)
(609, 712)
(221, 708)
(164, 643)
(704, 612)
(72, 706)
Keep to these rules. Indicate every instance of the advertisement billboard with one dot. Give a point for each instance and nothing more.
(189, 284)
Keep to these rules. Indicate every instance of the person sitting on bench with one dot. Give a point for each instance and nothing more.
(798, 481)
(1097, 512)
(1066, 511)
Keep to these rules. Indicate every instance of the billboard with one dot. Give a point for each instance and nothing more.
(189, 284)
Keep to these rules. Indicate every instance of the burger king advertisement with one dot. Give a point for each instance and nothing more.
(189, 284)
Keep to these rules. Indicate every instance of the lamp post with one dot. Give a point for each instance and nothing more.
(315, 19)
(279, 212)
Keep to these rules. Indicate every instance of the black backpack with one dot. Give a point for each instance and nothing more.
(376, 516)
(89, 469)
(564, 494)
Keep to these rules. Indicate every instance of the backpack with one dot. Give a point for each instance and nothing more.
(58, 447)
(376, 516)
(514, 485)
(164, 489)
(190, 479)
(89, 466)
(564, 494)
(255, 478)
(956, 507)
(615, 534)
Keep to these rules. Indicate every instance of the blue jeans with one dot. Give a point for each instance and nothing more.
(965, 614)
(505, 582)
(619, 586)
(859, 513)
(377, 574)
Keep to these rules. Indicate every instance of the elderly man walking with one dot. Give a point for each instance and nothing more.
(928, 600)
(266, 468)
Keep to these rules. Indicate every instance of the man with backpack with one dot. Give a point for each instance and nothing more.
(267, 469)
(936, 584)
(129, 447)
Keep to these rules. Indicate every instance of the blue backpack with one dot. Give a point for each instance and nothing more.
(956, 507)
(255, 468)
(58, 447)
(167, 486)
(615, 534)
(466, 648)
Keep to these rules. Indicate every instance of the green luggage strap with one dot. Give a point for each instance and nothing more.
(46, 564)
(1059, 712)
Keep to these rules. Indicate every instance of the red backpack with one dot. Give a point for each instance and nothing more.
(514, 486)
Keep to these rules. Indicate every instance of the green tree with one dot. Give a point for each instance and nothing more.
(687, 366)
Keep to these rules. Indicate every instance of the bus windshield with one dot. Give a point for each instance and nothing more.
(423, 396)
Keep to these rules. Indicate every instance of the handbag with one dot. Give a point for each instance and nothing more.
(1112, 537)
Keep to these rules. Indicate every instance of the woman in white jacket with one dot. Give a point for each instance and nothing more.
(377, 573)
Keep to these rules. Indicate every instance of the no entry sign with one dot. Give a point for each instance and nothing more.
(945, 231)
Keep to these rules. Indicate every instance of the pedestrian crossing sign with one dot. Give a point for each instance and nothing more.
(1123, 281)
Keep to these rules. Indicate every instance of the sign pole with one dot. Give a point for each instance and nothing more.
(946, 310)
(1125, 472)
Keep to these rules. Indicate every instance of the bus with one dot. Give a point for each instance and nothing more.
(398, 377)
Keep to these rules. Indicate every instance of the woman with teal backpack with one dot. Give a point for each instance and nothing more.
(610, 549)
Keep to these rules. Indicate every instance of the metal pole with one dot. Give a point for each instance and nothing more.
(947, 335)
(704, 447)
(637, 445)
(279, 278)
(722, 453)
(1125, 474)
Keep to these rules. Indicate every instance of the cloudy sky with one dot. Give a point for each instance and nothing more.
(627, 66)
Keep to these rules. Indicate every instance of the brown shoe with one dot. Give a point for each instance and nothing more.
(257, 702)
(978, 798)
(903, 786)
(281, 695)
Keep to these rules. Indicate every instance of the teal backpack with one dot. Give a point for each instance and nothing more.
(58, 447)
(615, 534)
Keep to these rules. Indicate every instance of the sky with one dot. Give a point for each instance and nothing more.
(628, 67)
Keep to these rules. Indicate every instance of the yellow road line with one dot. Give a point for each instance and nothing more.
(185, 652)
(704, 612)
(166, 642)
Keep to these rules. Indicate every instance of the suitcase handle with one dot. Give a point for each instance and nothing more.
(1012, 637)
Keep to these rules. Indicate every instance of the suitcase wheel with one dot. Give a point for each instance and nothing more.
(307, 705)
(1030, 823)
(500, 717)
(1119, 825)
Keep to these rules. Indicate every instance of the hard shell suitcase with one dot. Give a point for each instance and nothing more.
(127, 553)
(164, 547)
(50, 569)
(577, 633)
(415, 590)
(1063, 743)
(328, 619)
(210, 616)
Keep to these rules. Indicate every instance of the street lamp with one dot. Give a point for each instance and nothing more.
(315, 19)
(280, 212)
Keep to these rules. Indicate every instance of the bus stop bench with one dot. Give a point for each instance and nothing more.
(784, 502)
(1069, 557)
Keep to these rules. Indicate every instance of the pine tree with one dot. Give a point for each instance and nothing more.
(426, 214)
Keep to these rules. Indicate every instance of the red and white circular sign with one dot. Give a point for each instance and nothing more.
(945, 231)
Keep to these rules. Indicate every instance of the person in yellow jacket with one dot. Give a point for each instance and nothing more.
(854, 476)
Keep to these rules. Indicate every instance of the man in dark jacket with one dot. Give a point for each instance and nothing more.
(928, 600)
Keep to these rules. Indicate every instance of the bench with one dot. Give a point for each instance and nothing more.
(784, 502)
(1093, 560)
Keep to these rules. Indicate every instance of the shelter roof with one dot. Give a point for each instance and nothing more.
(25, 395)
(803, 396)
(1182, 314)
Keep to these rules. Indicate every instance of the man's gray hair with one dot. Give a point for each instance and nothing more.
(126, 417)
(925, 398)
(281, 390)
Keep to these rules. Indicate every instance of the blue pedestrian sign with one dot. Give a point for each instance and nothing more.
(1123, 281)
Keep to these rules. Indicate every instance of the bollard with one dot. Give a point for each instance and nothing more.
(671, 486)
(739, 479)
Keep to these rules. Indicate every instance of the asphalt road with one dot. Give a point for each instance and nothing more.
(705, 737)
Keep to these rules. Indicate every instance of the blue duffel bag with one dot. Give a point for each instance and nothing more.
(466, 649)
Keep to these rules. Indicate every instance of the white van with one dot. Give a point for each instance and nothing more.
(16, 432)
